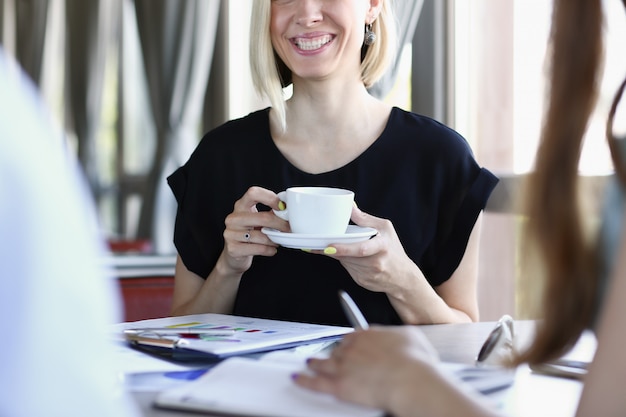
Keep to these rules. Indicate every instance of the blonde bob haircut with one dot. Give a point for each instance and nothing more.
(270, 75)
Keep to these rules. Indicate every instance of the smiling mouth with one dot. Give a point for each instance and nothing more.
(312, 44)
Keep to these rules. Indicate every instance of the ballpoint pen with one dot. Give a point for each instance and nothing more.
(181, 330)
(355, 317)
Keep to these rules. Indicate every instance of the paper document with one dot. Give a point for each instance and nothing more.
(262, 388)
(250, 335)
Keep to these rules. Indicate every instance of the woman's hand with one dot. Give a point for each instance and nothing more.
(394, 369)
(382, 367)
(377, 264)
(381, 264)
(243, 238)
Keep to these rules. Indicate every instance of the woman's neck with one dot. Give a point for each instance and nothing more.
(328, 129)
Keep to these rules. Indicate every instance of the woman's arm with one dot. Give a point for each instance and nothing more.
(454, 301)
(381, 264)
(194, 295)
(603, 394)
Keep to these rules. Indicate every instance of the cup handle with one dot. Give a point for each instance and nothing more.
(283, 214)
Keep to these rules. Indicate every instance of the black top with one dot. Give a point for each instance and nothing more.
(419, 174)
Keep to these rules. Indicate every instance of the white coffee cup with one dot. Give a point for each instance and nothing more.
(317, 210)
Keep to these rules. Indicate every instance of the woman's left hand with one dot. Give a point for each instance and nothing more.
(378, 264)
(381, 264)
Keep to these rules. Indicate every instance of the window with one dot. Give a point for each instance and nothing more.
(522, 27)
(499, 89)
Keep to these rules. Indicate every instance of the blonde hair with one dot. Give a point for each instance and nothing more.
(270, 74)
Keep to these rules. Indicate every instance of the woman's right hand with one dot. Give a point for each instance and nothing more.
(374, 367)
(395, 369)
(243, 238)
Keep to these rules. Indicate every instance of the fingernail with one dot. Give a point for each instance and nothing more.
(330, 250)
(294, 376)
(281, 205)
(354, 204)
(306, 250)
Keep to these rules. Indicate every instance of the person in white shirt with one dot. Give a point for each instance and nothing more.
(56, 299)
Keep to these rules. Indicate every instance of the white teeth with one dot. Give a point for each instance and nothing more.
(310, 45)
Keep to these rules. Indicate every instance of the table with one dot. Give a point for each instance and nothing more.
(531, 395)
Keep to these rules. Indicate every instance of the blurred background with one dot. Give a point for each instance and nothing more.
(136, 83)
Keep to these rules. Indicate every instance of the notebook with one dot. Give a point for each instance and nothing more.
(264, 387)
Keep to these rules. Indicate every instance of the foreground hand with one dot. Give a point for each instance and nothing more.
(374, 367)
(243, 238)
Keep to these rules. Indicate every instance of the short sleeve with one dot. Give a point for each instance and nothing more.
(452, 242)
(455, 192)
(205, 195)
(187, 243)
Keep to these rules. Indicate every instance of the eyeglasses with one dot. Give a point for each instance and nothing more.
(498, 348)
(499, 344)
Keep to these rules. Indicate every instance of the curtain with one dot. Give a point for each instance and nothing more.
(23, 25)
(90, 25)
(407, 13)
(32, 19)
(177, 40)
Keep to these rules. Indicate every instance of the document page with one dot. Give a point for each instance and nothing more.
(264, 387)
(251, 387)
(249, 334)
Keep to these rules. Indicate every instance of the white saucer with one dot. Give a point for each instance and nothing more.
(312, 241)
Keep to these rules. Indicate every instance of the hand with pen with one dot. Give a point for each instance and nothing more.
(381, 367)
(393, 368)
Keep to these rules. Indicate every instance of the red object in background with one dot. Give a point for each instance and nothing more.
(146, 297)
(130, 246)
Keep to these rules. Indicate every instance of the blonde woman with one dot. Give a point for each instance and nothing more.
(416, 182)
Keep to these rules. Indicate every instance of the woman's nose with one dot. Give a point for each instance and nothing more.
(309, 12)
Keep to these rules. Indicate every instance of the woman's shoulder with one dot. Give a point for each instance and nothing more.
(411, 121)
(424, 131)
(232, 137)
(242, 127)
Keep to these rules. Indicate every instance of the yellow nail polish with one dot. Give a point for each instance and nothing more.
(306, 250)
(281, 205)
(354, 204)
(330, 250)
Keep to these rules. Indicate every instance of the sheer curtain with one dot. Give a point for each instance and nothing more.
(32, 22)
(23, 25)
(90, 25)
(177, 40)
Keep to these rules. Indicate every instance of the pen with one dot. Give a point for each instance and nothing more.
(355, 317)
(181, 330)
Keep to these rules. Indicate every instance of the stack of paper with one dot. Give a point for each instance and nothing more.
(250, 335)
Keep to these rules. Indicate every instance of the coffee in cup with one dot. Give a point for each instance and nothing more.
(317, 210)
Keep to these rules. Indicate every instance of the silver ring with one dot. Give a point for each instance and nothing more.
(247, 237)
